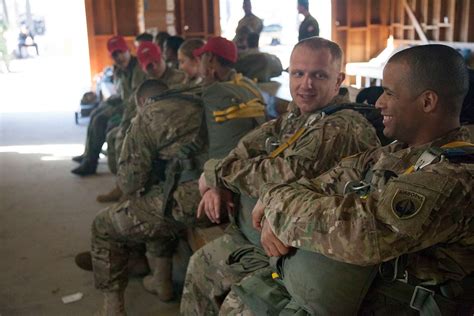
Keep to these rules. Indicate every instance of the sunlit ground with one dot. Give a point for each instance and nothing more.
(51, 152)
(41, 84)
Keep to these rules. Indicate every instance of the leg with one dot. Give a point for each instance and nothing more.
(134, 221)
(96, 134)
(111, 149)
(209, 278)
(324, 286)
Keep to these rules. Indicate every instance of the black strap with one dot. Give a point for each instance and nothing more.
(420, 298)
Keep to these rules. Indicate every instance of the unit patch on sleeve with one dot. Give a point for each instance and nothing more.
(406, 204)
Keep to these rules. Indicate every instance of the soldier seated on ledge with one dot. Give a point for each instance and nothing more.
(405, 207)
(304, 141)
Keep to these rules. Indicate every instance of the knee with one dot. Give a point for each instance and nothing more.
(101, 225)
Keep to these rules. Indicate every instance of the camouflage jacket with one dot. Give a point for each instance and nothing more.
(171, 77)
(127, 81)
(427, 213)
(156, 134)
(308, 28)
(323, 143)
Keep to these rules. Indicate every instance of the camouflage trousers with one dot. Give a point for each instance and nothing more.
(116, 229)
(209, 277)
(97, 129)
(115, 138)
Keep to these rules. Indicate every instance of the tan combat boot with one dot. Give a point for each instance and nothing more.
(112, 196)
(160, 281)
(113, 305)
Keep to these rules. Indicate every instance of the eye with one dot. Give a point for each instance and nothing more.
(320, 76)
(297, 74)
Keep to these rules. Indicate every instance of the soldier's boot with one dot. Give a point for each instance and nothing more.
(113, 304)
(137, 263)
(86, 168)
(112, 196)
(78, 159)
(160, 281)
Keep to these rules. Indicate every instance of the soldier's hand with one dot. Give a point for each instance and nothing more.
(203, 187)
(257, 215)
(212, 202)
(271, 244)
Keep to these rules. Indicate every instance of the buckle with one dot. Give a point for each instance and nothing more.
(416, 301)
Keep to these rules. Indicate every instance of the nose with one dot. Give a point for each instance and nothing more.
(380, 103)
(307, 81)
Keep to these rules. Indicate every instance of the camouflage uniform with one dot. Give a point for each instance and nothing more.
(141, 219)
(115, 137)
(425, 212)
(245, 169)
(308, 28)
(157, 133)
(126, 81)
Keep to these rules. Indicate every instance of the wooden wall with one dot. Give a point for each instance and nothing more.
(106, 18)
(362, 27)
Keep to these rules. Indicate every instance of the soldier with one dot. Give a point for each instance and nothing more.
(250, 23)
(305, 141)
(152, 62)
(309, 27)
(407, 207)
(188, 62)
(158, 171)
(127, 77)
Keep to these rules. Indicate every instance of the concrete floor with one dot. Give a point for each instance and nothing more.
(46, 213)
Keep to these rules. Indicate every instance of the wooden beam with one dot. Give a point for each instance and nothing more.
(436, 18)
(451, 18)
(464, 29)
(415, 22)
(114, 17)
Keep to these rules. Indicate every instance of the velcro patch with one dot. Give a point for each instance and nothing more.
(406, 204)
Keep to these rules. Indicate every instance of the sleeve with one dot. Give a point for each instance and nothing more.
(413, 212)
(327, 142)
(135, 163)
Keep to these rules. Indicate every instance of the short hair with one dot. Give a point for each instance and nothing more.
(174, 42)
(224, 62)
(253, 39)
(304, 3)
(160, 38)
(189, 45)
(144, 37)
(150, 88)
(317, 43)
(439, 68)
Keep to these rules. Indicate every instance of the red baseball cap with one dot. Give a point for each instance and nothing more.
(148, 52)
(117, 43)
(219, 46)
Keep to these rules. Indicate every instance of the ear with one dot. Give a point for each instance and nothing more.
(429, 99)
(340, 79)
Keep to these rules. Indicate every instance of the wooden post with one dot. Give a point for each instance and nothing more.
(416, 24)
(464, 29)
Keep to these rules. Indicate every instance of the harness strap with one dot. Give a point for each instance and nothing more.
(432, 154)
(288, 143)
(419, 298)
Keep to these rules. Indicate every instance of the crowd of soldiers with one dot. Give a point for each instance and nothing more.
(323, 216)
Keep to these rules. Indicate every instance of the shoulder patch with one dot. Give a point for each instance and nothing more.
(310, 28)
(406, 204)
